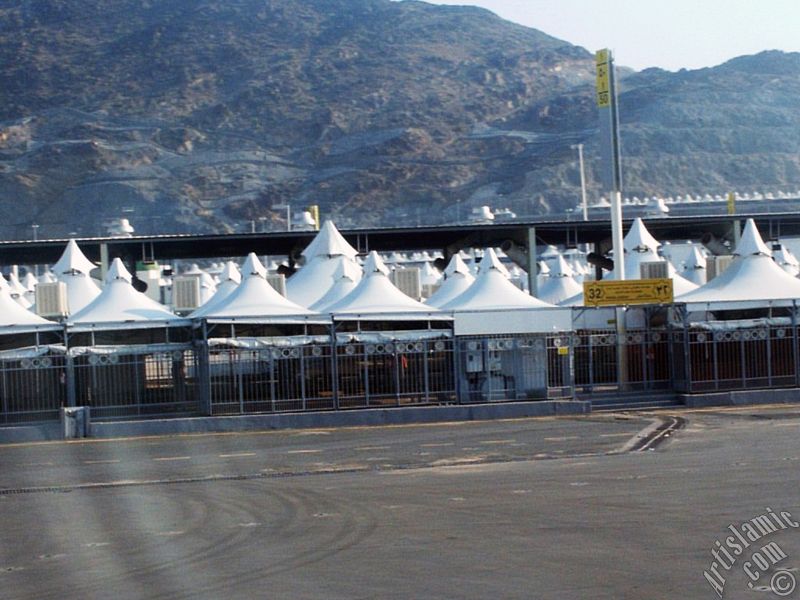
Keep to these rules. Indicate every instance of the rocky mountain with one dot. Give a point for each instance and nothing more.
(203, 115)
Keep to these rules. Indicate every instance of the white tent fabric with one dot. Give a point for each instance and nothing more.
(230, 278)
(11, 313)
(492, 290)
(308, 285)
(18, 291)
(348, 274)
(254, 297)
(47, 277)
(786, 260)
(491, 262)
(457, 279)
(81, 290)
(428, 275)
(329, 242)
(639, 239)
(694, 268)
(559, 284)
(376, 294)
(73, 259)
(752, 275)
(119, 302)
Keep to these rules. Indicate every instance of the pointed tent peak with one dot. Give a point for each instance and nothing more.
(550, 252)
(230, 272)
(16, 284)
(329, 242)
(456, 265)
(29, 281)
(47, 277)
(374, 264)
(695, 260)
(73, 259)
(751, 242)
(544, 268)
(253, 267)
(490, 261)
(118, 271)
(347, 269)
(561, 268)
(639, 238)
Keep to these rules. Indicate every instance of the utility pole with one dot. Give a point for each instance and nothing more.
(584, 206)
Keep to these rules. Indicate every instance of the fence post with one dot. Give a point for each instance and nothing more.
(334, 367)
(204, 374)
(69, 380)
(795, 354)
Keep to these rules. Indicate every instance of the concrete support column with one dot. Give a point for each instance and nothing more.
(533, 267)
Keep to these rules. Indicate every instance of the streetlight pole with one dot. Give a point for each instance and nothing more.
(35, 227)
(584, 206)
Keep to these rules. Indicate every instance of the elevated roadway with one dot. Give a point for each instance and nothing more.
(569, 232)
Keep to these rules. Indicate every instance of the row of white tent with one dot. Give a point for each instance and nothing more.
(332, 282)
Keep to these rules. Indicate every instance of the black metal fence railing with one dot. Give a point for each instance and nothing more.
(231, 377)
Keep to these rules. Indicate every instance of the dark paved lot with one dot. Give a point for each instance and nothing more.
(473, 510)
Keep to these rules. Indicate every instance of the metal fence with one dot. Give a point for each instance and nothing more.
(765, 356)
(395, 373)
(643, 360)
(270, 379)
(508, 367)
(219, 379)
(131, 381)
(33, 387)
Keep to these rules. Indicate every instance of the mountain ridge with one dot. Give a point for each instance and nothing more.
(200, 115)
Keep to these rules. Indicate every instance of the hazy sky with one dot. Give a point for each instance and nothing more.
(670, 34)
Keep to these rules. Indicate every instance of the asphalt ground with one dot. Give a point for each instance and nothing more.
(536, 508)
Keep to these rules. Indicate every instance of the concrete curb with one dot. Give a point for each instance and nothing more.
(345, 418)
(741, 398)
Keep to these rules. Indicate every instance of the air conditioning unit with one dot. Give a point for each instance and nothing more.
(51, 300)
(654, 270)
(429, 289)
(715, 265)
(408, 282)
(185, 293)
(278, 283)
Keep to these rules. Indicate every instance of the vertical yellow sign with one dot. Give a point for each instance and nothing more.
(731, 203)
(314, 210)
(603, 79)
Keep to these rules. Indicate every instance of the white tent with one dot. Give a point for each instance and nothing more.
(428, 275)
(119, 302)
(457, 278)
(229, 280)
(786, 260)
(18, 291)
(329, 242)
(492, 290)
(254, 297)
(30, 282)
(323, 256)
(347, 276)
(694, 268)
(494, 305)
(73, 259)
(751, 279)
(559, 284)
(375, 294)
(73, 270)
(12, 313)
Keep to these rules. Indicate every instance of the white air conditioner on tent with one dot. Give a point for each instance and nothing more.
(408, 282)
(278, 283)
(654, 270)
(51, 300)
(185, 293)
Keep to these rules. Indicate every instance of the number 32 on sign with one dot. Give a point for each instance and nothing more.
(634, 291)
